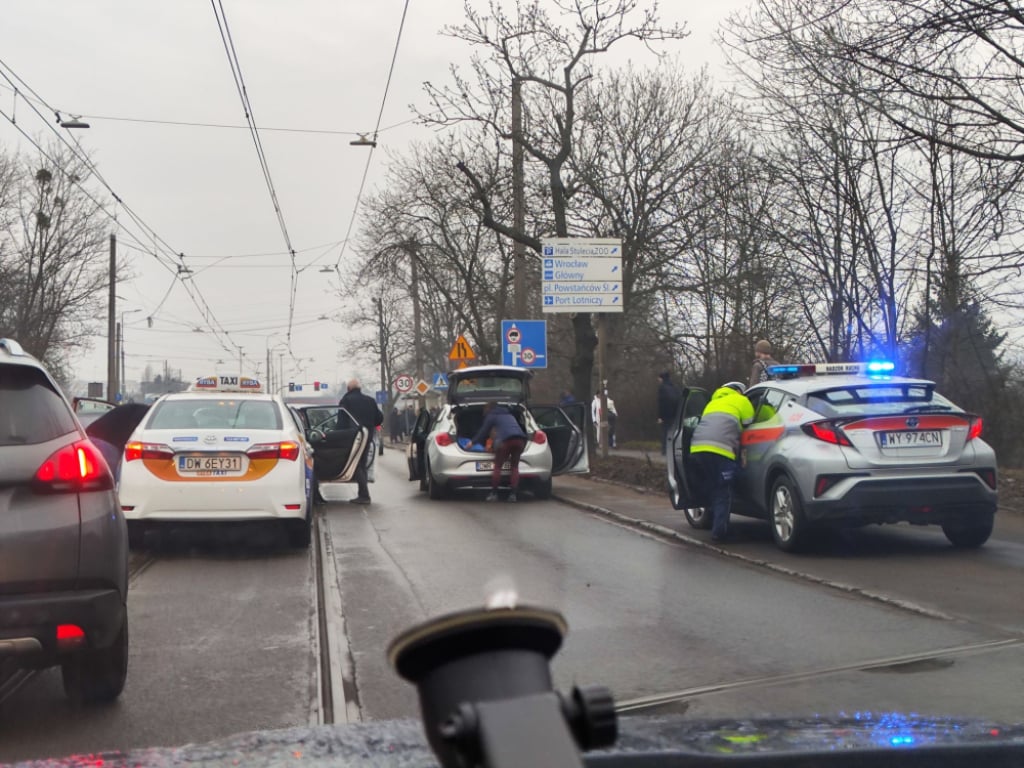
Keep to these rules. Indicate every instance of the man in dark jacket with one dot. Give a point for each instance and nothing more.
(364, 410)
(668, 404)
(509, 443)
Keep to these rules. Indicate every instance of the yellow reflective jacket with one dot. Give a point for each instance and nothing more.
(721, 424)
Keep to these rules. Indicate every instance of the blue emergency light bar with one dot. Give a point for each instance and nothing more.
(873, 368)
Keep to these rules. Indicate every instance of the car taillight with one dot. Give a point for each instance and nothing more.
(827, 431)
(975, 430)
(73, 468)
(443, 439)
(69, 636)
(539, 437)
(285, 450)
(136, 451)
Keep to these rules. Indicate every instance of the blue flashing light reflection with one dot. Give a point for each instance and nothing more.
(881, 366)
(781, 370)
(902, 741)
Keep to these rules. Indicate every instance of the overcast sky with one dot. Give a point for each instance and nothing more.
(318, 65)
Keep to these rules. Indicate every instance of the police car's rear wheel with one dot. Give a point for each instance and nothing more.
(789, 527)
(968, 536)
(699, 518)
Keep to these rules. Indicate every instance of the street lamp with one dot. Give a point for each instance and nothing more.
(120, 346)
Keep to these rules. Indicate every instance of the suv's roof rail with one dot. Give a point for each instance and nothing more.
(12, 347)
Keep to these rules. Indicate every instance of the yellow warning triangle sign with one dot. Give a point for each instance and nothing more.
(461, 350)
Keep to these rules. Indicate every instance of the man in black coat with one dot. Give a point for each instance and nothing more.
(364, 410)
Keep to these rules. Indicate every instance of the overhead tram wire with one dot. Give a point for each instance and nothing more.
(236, 73)
(191, 289)
(376, 133)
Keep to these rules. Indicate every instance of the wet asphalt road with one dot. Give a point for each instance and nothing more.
(648, 616)
(222, 633)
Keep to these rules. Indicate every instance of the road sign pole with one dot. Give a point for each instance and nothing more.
(602, 382)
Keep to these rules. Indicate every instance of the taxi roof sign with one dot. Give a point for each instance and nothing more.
(226, 384)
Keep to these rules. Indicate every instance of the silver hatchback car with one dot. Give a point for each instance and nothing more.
(845, 445)
(437, 455)
(63, 540)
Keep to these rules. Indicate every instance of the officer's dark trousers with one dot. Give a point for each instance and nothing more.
(717, 472)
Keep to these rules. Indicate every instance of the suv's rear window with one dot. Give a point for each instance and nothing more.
(31, 411)
(890, 397)
(215, 413)
(490, 387)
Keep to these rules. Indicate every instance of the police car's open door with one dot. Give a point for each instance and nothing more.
(684, 488)
(565, 428)
(338, 444)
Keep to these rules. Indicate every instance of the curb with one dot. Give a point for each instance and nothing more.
(664, 532)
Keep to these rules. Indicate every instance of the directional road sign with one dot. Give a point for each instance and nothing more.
(524, 343)
(382, 396)
(581, 275)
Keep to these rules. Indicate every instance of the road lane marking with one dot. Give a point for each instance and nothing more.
(662, 699)
(673, 535)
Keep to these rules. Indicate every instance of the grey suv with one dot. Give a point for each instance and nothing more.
(63, 541)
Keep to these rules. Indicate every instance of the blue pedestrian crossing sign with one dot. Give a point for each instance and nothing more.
(440, 381)
(524, 343)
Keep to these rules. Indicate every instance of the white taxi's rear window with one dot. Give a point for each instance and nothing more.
(215, 413)
(877, 399)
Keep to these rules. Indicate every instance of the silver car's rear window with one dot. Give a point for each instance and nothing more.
(31, 411)
(490, 386)
(215, 413)
(870, 399)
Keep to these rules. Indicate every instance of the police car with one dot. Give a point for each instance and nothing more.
(223, 451)
(847, 445)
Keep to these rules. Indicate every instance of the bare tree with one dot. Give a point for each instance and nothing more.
(53, 257)
(904, 58)
(551, 58)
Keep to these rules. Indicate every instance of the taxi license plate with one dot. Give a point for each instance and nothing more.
(918, 438)
(196, 464)
(487, 466)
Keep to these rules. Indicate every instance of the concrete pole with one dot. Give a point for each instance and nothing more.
(113, 386)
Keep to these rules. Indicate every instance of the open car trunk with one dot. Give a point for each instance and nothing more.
(470, 417)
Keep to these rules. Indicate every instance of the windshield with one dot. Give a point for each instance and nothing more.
(215, 413)
(878, 399)
(333, 243)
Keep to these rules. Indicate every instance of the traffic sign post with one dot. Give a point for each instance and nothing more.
(581, 275)
(524, 343)
(461, 352)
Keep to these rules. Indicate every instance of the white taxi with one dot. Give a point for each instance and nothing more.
(222, 451)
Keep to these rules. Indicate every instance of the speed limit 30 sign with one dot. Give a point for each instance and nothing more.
(404, 383)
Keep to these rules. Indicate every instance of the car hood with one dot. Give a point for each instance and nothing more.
(402, 743)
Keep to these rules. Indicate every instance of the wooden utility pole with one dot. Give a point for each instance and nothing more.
(518, 201)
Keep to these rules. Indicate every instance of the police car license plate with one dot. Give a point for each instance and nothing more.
(198, 464)
(918, 438)
(487, 466)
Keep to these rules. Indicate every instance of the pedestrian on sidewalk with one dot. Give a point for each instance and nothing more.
(395, 425)
(668, 404)
(763, 360)
(595, 415)
(364, 410)
(714, 447)
(509, 443)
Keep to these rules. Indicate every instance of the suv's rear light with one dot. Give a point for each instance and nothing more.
(74, 468)
(287, 450)
(827, 431)
(539, 437)
(136, 451)
(69, 636)
(975, 430)
(444, 439)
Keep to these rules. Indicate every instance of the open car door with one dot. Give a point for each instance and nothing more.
(685, 490)
(338, 442)
(417, 444)
(566, 432)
